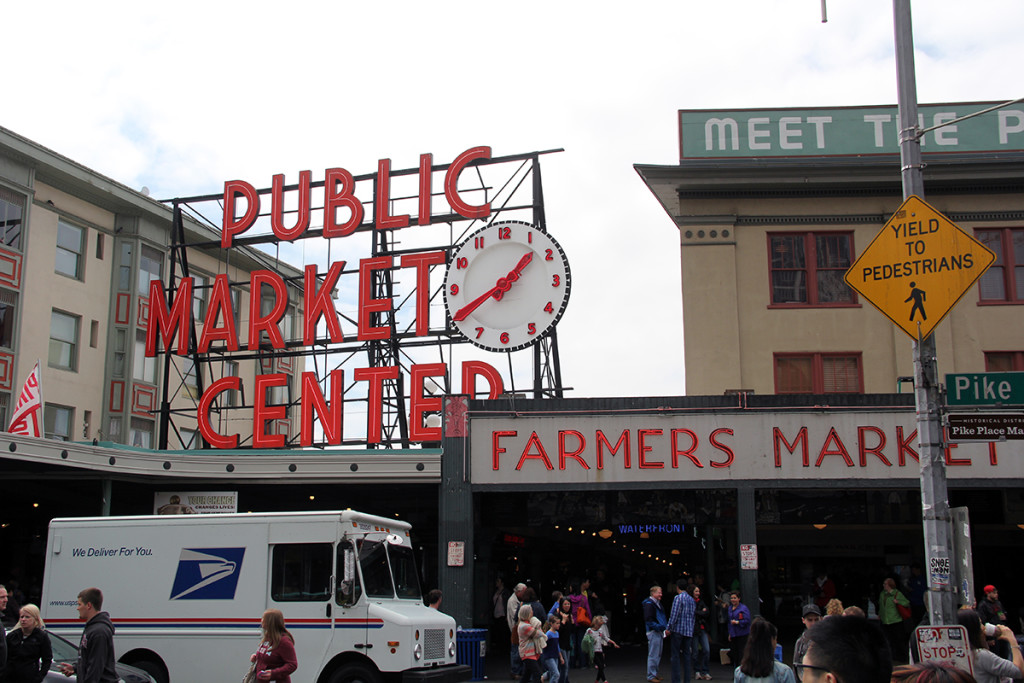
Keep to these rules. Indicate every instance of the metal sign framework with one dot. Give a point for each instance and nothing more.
(511, 184)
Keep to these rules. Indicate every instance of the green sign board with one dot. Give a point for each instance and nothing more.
(985, 389)
(844, 131)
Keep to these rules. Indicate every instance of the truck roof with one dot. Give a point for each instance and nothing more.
(340, 516)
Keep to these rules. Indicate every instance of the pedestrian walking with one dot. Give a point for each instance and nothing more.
(739, 627)
(96, 650)
(680, 626)
(531, 643)
(551, 658)
(657, 630)
(758, 663)
(700, 650)
(600, 638)
(275, 657)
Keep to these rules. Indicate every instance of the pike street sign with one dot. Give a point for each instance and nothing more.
(918, 267)
(985, 389)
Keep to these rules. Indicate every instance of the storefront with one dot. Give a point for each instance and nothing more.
(766, 491)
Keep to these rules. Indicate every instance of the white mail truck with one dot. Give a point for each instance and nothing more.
(186, 594)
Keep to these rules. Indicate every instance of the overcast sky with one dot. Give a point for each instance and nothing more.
(182, 96)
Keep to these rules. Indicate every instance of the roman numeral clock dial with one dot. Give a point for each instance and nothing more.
(507, 286)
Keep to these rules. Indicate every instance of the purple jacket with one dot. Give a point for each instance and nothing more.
(741, 614)
(575, 601)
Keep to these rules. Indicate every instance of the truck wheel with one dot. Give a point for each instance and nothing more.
(355, 673)
(153, 669)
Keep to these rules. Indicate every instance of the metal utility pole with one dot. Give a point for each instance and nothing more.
(935, 515)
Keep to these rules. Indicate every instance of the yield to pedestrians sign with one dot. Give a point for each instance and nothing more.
(918, 267)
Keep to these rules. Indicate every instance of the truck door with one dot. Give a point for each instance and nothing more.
(352, 609)
(300, 586)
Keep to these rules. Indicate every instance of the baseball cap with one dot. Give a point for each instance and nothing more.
(989, 588)
(811, 609)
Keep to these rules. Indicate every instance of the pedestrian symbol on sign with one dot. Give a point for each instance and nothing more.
(917, 296)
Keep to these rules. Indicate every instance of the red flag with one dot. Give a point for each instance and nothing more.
(28, 413)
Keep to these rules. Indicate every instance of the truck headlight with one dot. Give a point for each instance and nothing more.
(417, 652)
(451, 649)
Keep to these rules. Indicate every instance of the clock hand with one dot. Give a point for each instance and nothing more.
(500, 287)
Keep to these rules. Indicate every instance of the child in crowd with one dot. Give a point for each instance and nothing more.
(551, 660)
(601, 639)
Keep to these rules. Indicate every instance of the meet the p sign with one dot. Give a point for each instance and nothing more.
(985, 389)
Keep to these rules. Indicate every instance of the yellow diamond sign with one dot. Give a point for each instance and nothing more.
(918, 267)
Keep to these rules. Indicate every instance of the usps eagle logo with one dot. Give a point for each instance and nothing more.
(207, 574)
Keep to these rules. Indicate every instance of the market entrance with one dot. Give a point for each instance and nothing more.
(622, 541)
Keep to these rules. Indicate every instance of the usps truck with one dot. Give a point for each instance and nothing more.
(186, 594)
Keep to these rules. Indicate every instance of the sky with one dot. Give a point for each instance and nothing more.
(182, 97)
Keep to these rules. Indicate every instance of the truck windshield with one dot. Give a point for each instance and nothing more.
(377, 572)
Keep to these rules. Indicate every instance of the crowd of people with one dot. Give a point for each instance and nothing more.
(838, 644)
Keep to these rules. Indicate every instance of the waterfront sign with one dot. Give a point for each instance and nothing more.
(986, 427)
(844, 131)
(918, 267)
(985, 389)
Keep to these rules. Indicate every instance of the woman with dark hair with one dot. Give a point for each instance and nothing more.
(759, 664)
(988, 666)
(565, 637)
(275, 658)
(699, 650)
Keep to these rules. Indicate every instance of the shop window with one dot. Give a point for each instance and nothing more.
(301, 572)
(70, 245)
(818, 373)
(12, 218)
(8, 314)
(807, 268)
(151, 267)
(1004, 279)
(63, 341)
(58, 421)
(143, 368)
(141, 433)
(1004, 361)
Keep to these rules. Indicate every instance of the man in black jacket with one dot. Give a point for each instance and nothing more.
(96, 651)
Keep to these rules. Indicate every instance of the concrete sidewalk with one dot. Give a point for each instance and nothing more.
(627, 664)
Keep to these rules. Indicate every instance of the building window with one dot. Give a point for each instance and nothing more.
(141, 435)
(1004, 361)
(1004, 279)
(807, 268)
(190, 380)
(818, 373)
(63, 341)
(120, 351)
(8, 312)
(200, 295)
(70, 244)
(151, 267)
(58, 421)
(143, 367)
(5, 400)
(230, 396)
(12, 218)
(124, 268)
(189, 438)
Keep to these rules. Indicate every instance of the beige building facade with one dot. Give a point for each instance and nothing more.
(767, 233)
(78, 253)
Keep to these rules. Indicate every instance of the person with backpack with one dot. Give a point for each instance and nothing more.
(581, 619)
(594, 641)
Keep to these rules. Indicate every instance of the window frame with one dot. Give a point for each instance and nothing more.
(50, 411)
(810, 269)
(79, 255)
(817, 359)
(1009, 265)
(74, 344)
(1016, 361)
(12, 202)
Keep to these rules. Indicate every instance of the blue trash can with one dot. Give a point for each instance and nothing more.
(471, 649)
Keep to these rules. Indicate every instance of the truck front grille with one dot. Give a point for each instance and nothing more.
(433, 643)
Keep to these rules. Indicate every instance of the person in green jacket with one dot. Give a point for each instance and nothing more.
(892, 621)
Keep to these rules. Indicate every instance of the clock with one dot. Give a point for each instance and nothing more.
(506, 286)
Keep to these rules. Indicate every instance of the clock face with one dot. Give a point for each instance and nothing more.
(506, 286)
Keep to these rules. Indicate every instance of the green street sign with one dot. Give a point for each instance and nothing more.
(985, 389)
